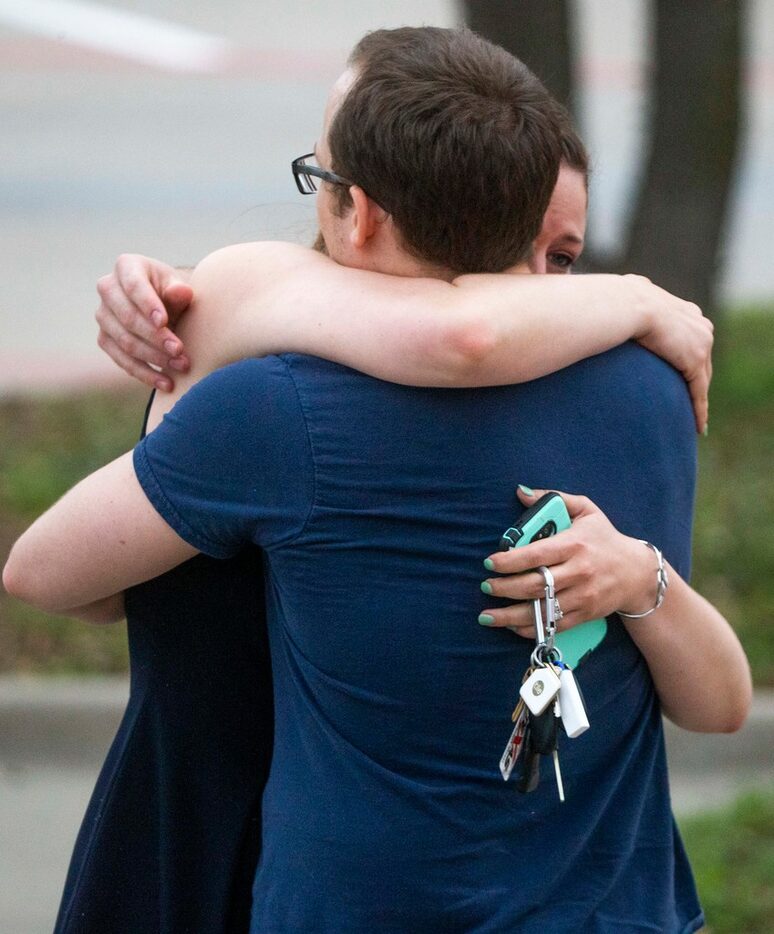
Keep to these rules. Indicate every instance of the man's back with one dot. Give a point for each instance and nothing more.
(376, 504)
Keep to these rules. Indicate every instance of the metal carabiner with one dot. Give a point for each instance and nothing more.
(550, 598)
(540, 633)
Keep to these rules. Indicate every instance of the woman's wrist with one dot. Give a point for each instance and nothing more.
(640, 293)
(643, 591)
(662, 582)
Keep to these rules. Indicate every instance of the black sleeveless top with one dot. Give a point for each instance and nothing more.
(171, 836)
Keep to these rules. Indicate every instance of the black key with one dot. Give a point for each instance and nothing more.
(530, 770)
(543, 731)
(530, 773)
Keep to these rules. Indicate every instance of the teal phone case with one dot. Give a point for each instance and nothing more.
(547, 517)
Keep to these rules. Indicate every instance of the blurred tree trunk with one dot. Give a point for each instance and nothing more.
(679, 210)
(675, 235)
(539, 32)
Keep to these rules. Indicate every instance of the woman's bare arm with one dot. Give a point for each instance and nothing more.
(100, 538)
(476, 331)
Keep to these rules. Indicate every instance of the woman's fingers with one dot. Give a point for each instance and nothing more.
(133, 318)
(530, 585)
(698, 387)
(177, 297)
(134, 275)
(117, 304)
(557, 549)
(136, 369)
(548, 552)
(576, 505)
(131, 343)
(527, 586)
(518, 617)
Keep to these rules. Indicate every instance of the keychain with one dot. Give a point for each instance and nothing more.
(549, 695)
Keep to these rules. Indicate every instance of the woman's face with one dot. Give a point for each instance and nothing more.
(560, 241)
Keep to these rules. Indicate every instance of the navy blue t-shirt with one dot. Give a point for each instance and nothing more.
(376, 504)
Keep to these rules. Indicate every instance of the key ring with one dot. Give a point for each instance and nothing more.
(543, 656)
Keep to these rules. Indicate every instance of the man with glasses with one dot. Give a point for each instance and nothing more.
(374, 503)
(307, 173)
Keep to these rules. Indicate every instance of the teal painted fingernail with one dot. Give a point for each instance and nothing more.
(489, 564)
(706, 430)
(486, 620)
(486, 586)
(526, 490)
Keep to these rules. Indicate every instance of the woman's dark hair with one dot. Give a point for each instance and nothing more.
(574, 152)
(453, 136)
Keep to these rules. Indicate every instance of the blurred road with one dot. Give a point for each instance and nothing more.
(53, 738)
(167, 127)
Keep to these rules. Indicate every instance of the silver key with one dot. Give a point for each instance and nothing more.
(555, 755)
(558, 773)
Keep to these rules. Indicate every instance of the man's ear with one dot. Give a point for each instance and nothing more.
(366, 215)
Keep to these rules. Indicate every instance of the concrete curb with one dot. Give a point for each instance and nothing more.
(708, 770)
(58, 722)
(69, 722)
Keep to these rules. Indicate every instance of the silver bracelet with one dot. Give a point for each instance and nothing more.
(662, 582)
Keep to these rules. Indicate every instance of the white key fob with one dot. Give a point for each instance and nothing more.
(574, 717)
(540, 689)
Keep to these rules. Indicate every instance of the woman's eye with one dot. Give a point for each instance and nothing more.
(561, 260)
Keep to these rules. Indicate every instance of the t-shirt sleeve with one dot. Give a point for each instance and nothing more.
(231, 464)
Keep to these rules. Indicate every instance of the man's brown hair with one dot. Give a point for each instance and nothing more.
(453, 136)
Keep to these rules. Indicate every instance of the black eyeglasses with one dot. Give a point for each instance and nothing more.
(305, 174)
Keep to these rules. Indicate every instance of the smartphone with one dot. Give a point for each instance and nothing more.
(545, 518)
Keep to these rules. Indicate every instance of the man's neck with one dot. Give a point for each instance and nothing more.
(395, 261)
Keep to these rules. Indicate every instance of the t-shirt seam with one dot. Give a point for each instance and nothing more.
(192, 536)
(308, 432)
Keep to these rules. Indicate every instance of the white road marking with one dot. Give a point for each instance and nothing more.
(118, 32)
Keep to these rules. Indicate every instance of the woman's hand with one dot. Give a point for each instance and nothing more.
(140, 298)
(596, 570)
(678, 331)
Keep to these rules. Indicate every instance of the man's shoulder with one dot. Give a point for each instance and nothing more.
(626, 400)
(633, 355)
(633, 372)
(257, 391)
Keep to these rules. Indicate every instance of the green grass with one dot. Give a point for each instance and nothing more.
(732, 854)
(46, 445)
(32, 643)
(734, 532)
